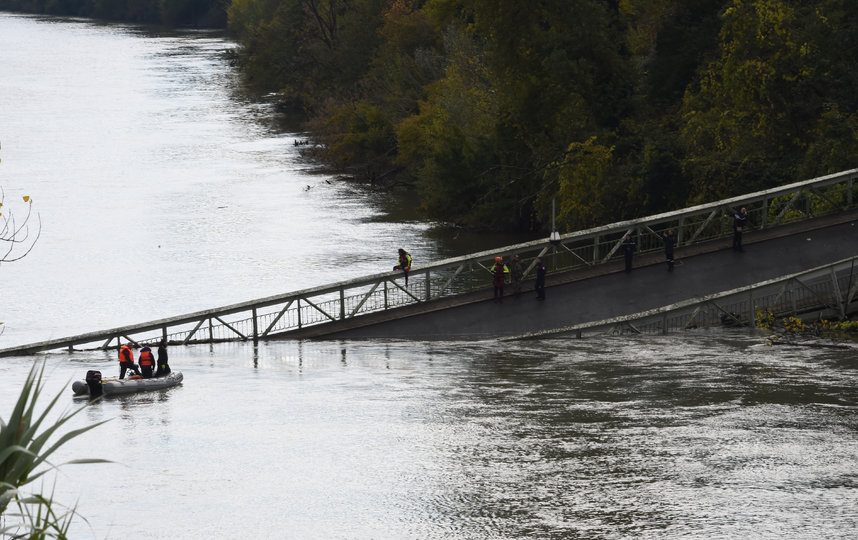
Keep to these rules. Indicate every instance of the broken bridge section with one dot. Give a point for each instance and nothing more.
(791, 229)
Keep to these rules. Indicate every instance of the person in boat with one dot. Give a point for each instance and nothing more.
(163, 366)
(126, 361)
(147, 362)
(404, 264)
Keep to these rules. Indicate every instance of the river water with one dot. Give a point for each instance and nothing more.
(164, 188)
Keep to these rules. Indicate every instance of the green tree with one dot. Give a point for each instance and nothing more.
(359, 132)
(522, 82)
(583, 178)
(748, 118)
(308, 50)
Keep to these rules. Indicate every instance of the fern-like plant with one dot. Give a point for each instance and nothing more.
(27, 440)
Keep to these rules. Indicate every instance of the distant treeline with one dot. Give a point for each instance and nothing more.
(491, 109)
(172, 13)
(615, 109)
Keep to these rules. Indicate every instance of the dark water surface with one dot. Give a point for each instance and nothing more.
(703, 435)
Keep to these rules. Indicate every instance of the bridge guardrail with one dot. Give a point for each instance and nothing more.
(830, 289)
(262, 318)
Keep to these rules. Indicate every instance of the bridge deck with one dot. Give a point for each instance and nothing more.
(799, 226)
(607, 292)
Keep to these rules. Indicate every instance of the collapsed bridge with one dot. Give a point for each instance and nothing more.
(803, 234)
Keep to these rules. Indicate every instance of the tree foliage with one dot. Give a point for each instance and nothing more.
(492, 109)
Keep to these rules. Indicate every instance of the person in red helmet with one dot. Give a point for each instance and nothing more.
(499, 273)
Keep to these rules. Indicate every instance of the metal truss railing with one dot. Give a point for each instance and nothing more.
(262, 318)
(827, 291)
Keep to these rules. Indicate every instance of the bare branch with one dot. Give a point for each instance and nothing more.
(15, 241)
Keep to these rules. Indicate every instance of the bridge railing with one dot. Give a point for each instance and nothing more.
(259, 319)
(828, 291)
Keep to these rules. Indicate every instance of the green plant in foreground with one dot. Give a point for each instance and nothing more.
(24, 451)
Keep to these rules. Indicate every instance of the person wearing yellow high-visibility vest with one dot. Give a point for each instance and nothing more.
(404, 264)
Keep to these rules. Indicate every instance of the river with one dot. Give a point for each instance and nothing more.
(163, 187)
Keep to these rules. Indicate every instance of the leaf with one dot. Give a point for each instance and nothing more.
(26, 198)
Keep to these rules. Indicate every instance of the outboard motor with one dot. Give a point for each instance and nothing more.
(93, 380)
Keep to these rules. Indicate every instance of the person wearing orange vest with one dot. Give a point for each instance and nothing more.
(499, 273)
(126, 361)
(147, 362)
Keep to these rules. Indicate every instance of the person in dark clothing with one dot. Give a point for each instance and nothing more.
(517, 274)
(739, 219)
(126, 361)
(163, 367)
(669, 242)
(540, 279)
(628, 246)
(147, 362)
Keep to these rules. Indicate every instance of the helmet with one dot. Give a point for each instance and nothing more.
(498, 259)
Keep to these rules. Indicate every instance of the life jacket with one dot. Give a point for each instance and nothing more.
(122, 356)
(146, 358)
(500, 272)
(405, 261)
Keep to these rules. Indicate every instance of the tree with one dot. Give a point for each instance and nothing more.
(749, 119)
(310, 51)
(522, 82)
(583, 179)
(358, 132)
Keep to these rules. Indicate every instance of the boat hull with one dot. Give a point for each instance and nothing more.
(116, 387)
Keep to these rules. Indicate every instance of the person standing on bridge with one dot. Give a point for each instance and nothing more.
(404, 264)
(517, 274)
(739, 219)
(628, 246)
(540, 279)
(126, 361)
(499, 273)
(669, 242)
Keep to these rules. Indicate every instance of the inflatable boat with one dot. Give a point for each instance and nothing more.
(95, 386)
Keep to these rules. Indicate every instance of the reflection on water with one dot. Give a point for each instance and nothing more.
(700, 435)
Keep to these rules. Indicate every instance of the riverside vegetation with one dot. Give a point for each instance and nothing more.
(492, 109)
(792, 330)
